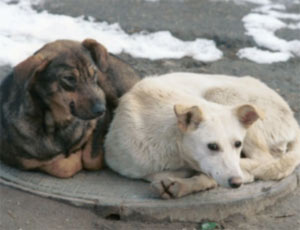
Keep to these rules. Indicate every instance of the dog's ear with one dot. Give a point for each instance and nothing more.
(248, 114)
(98, 52)
(188, 118)
(27, 71)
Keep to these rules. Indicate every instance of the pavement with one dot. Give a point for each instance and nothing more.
(21, 210)
(217, 20)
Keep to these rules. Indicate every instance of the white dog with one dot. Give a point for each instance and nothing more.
(167, 126)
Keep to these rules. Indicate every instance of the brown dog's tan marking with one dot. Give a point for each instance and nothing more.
(33, 163)
(64, 167)
(60, 166)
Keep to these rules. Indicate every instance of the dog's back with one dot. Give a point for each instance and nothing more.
(278, 126)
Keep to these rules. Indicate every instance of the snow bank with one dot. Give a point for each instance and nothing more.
(23, 31)
(263, 56)
(262, 24)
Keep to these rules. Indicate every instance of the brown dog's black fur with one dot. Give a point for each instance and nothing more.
(58, 101)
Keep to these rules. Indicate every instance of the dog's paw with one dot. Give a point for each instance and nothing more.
(169, 188)
(205, 183)
(247, 177)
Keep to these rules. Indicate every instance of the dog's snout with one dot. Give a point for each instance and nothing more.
(98, 109)
(235, 182)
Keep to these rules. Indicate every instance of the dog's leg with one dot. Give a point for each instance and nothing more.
(181, 173)
(93, 152)
(64, 167)
(279, 168)
(257, 153)
(247, 165)
(275, 168)
(252, 161)
(174, 185)
(92, 161)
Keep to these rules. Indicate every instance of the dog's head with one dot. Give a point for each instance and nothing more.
(64, 77)
(212, 139)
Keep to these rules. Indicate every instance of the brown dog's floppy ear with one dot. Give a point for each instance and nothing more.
(248, 114)
(98, 52)
(25, 73)
(188, 118)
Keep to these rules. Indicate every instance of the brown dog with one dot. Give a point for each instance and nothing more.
(57, 104)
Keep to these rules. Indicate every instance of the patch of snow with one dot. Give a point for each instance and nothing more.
(264, 22)
(267, 7)
(263, 56)
(270, 10)
(258, 2)
(262, 28)
(294, 26)
(261, 24)
(242, 2)
(23, 31)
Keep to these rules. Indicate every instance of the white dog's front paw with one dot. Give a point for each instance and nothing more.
(169, 188)
(247, 177)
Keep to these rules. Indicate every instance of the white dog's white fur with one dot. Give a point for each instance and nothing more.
(166, 125)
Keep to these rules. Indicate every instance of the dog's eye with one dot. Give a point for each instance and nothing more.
(237, 144)
(70, 79)
(213, 146)
(68, 82)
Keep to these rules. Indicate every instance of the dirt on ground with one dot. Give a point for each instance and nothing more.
(23, 211)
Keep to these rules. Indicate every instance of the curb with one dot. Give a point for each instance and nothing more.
(133, 200)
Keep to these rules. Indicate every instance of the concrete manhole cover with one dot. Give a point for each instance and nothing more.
(112, 195)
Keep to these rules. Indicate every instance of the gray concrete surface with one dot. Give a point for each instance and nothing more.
(21, 210)
(113, 195)
(186, 19)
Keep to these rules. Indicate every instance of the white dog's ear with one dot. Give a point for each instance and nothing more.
(188, 118)
(248, 114)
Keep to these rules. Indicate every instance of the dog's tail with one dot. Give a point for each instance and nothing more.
(279, 168)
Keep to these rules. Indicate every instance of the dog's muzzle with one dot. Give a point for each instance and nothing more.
(98, 109)
(235, 182)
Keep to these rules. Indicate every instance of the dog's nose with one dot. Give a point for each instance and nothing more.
(98, 109)
(235, 182)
